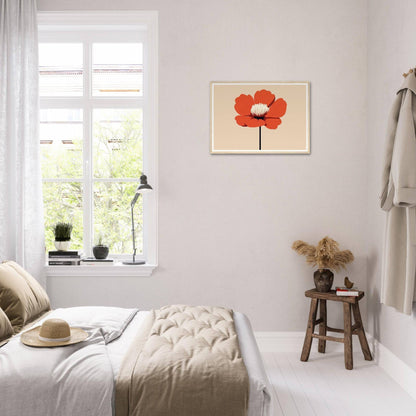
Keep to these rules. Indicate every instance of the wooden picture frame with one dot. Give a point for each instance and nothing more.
(260, 117)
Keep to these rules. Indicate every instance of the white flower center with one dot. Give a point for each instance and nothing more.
(259, 110)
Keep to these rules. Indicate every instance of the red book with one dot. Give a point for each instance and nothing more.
(344, 291)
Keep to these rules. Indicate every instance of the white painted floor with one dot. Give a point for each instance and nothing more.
(323, 387)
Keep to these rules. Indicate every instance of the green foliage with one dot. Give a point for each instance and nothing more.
(100, 241)
(63, 203)
(117, 154)
(62, 231)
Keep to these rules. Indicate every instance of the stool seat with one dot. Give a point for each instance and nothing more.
(332, 295)
(349, 302)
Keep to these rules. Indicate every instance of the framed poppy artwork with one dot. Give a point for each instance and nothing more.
(260, 117)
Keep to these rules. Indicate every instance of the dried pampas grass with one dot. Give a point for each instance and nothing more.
(326, 255)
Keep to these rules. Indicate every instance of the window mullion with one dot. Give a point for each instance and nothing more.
(87, 154)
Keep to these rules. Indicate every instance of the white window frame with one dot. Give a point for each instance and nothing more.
(128, 26)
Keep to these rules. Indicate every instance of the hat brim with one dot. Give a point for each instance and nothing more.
(4, 342)
(31, 338)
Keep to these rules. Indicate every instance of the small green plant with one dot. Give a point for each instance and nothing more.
(62, 231)
(100, 241)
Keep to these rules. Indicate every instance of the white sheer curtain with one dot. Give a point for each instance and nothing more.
(21, 213)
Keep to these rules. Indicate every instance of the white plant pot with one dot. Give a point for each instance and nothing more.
(62, 245)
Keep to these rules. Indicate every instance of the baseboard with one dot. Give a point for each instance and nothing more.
(399, 371)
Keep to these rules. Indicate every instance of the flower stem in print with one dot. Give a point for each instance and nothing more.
(261, 110)
(259, 137)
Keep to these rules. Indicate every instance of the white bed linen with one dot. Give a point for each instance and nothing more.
(75, 380)
(259, 396)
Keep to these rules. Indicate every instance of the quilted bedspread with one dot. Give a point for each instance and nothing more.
(185, 361)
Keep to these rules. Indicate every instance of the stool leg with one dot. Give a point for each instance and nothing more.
(347, 336)
(309, 331)
(322, 325)
(360, 331)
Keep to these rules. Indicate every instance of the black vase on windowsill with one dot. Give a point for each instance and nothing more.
(100, 252)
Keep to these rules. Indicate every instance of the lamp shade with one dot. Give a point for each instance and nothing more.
(144, 186)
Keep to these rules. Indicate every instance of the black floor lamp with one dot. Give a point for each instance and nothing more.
(144, 187)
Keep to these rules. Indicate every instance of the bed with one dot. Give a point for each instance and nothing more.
(82, 379)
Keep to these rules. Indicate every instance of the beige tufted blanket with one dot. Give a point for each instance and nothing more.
(185, 361)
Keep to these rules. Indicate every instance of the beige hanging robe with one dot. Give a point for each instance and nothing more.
(399, 200)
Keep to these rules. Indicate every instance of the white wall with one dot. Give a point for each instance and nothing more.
(391, 51)
(226, 222)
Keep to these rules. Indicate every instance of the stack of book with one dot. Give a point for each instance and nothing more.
(91, 261)
(344, 291)
(64, 258)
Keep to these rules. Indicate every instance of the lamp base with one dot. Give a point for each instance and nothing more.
(136, 262)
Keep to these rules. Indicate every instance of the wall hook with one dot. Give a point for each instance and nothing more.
(409, 72)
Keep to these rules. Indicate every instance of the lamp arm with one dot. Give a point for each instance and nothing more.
(142, 188)
(134, 200)
(132, 204)
(132, 232)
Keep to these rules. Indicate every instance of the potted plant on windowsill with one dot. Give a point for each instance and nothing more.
(101, 250)
(326, 255)
(62, 231)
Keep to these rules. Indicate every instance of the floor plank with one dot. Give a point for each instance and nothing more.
(282, 390)
(277, 409)
(314, 387)
(299, 395)
(322, 387)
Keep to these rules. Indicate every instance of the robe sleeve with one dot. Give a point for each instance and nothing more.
(403, 164)
(387, 190)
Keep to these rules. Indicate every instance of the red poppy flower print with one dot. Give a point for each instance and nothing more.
(261, 110)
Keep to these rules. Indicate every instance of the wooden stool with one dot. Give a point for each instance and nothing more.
(349, 330)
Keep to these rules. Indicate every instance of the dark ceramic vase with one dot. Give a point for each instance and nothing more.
(323, 280)
(100, 252)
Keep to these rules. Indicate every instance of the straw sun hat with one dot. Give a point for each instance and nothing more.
(53, 333)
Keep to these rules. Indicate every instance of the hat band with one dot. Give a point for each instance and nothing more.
(54, 339)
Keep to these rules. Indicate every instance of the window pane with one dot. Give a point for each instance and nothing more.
(62, 202)
(112, 216)
(117, 69)
(117, 143)
(61, 143)
(60, 69)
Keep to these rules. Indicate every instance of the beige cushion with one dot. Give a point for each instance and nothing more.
(6, 329)
(21, 297)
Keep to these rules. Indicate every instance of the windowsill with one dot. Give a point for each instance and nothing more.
(116, 270)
